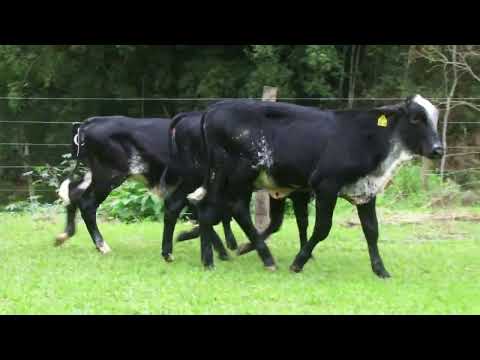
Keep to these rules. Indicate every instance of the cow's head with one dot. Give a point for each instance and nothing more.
(418, 127)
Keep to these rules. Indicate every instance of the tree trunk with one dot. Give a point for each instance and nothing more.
(450, 95)
(354, 61)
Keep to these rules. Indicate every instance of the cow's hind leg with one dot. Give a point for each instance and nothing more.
(69, 227)
(173, 206)
(227, 230)
(368, 219)
(241, 214)
(71, 192)
(88, 204)
(277, 210)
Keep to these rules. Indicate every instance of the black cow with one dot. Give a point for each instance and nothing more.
(189, 160)
(284, 147)
(115, 148)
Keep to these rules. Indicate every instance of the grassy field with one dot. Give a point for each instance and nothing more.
(435, 266)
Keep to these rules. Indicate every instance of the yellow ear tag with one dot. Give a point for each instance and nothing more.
(382, 121)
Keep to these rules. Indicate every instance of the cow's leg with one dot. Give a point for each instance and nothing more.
(189, 234)
(71, 192)
(277, 211)
(70, 225)
(300, 207)
(323, 224)
(92, 198)
(227, 230)
(88, 205)
(241, 214)
(219, 248)
(368, 219)
(195, 233)
(173, 206)
(208, 217)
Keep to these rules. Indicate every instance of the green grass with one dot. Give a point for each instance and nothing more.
(435, 268)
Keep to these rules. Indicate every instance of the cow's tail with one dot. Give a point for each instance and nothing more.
(77, 152)
(173, 152)
(200, 193)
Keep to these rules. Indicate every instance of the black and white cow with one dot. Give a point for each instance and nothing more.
(284, 148)
(115, 148)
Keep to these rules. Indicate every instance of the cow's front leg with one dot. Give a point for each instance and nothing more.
(325, 205)
(368, 219)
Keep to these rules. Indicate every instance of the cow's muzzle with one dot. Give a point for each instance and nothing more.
(437, 151)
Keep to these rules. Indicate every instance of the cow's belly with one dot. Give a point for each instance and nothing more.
(266, 182)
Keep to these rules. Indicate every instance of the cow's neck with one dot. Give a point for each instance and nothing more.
(367, 187)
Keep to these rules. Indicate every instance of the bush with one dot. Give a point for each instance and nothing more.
(133, 202)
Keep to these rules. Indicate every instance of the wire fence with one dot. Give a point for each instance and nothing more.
(57, 148)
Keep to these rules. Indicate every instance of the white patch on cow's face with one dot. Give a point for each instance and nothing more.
(430, 109)
(87, 180)
(64, 192)
(365, 189)
(136, 165)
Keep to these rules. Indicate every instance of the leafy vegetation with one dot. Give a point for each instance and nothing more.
(146, 71)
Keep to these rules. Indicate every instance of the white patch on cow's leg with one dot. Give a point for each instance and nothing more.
(104, 248)
(61, 238)
(87, 180)
(198, 195)
(63, 192)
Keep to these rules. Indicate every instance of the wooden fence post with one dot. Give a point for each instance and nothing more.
(262, 199)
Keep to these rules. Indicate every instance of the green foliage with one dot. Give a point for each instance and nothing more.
(133, 202)
(408, 191)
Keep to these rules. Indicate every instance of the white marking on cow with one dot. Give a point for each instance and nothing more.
(87, 180)
(367, 187)
(136, 165)
(430, 109)
(264, 154)
(104, 248)
(197, 195)
(243, 134)
(63, 192)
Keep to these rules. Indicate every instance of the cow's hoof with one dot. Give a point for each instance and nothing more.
(209, 267)
(243, 249)
(295, 268)
(104, 248)
(271, 268)
(224, 257)
(382, 274)
(169, 258)
(61, 238)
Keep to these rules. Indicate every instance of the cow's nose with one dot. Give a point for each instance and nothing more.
(437, 151)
